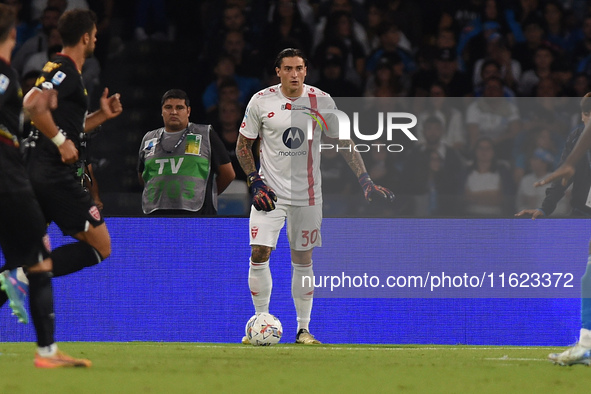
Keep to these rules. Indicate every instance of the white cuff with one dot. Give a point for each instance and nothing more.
(58, 139)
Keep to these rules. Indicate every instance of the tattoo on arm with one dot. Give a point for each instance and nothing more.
(244, 154)
(352, 157)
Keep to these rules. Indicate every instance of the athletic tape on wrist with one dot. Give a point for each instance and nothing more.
(58, 139)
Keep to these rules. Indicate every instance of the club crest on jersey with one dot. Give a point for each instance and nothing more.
(58, 78)
(293, 107)
(94, 212)
(149, 146)
(293, 137)
(4, 81)
(254, 231)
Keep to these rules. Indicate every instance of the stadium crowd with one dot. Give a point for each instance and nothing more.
(495, 84)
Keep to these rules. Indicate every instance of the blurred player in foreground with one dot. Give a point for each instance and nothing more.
(581, 180)
(581, 352)
(287, 186)
(23, 235)
(59, 191)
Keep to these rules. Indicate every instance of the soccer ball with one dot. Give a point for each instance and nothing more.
(263, 329)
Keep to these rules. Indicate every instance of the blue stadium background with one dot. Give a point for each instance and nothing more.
(182, 279)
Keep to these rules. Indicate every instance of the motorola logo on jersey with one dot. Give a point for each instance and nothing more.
(293, 137)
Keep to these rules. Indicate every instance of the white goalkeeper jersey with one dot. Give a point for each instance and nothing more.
(290, 131)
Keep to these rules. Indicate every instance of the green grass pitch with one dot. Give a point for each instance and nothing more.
(145, 367)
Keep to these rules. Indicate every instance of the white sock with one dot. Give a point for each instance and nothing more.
(585, 338)
(47, 351)
(302, 291)
(260, 283)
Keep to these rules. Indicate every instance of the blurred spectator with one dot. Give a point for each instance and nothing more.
(464, 14)
(472, 44)
(332, 78)
(28, 80)
(557, 33)
(434, 173)
(496, 50)
(150, 20)
(446, 72)
(286, 28)
(490, 68)
(526, 10)
(543, 60)
(225, 69)
(541, 162)
(524, 52)
(232, 20)
(494, 117)
(247, 62)
(376, 12)
(547, 87)
(39, 42)
(338, 48)
(227, 125)
(407, 16)
(25, 29)
(390, 43)
(488, 185)
(442, 107)
(546, 111)
(358, 31)
(339, 27)
(445, 39)
(104, 12)
(562, 76)
(388, 79)
(37, 6)
(583, 46)
(38, 60)
(580, 85)
(527, 143)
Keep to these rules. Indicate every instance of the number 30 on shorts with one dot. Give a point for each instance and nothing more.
(309, 237)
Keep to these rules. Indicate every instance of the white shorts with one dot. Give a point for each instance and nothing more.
(303, 226)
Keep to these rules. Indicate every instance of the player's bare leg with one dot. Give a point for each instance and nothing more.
(98, 237)
(302, 291)
(94, 247)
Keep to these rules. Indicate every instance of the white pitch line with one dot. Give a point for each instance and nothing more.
(516, 359)
(336, 347)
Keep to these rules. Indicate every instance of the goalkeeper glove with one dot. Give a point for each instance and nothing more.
(263, 197)
(370, 189)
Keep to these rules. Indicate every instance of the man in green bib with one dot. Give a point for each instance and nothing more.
(177, 163)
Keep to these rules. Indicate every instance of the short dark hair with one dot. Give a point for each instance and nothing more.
(176, 94)
(489, 62)
(290, 52)
(74, 24)
(7, 21)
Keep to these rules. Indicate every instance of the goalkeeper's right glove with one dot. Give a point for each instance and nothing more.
(263, 197)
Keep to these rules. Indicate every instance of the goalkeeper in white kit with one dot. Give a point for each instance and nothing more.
(288, 183)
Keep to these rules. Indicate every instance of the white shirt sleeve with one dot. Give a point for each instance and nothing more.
(251, 123)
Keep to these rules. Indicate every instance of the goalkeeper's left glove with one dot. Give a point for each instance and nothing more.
(371, 190)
